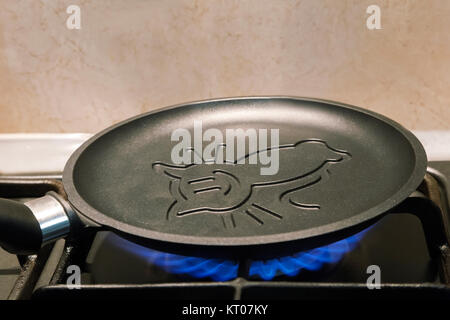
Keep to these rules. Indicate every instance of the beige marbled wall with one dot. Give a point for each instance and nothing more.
(136, 55)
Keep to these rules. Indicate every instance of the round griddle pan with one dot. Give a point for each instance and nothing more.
(339, 169)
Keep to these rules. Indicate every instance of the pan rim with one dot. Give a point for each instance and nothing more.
(97, 217)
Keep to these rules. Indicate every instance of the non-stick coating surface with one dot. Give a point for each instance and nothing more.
(345, 166)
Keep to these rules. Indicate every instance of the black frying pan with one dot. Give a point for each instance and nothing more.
(340, 169)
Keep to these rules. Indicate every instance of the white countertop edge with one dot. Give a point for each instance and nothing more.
(44, 136)
(436, 144)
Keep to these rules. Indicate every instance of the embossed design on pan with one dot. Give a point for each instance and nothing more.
(231, 189)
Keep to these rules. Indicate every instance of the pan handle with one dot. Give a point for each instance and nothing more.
(26, 227)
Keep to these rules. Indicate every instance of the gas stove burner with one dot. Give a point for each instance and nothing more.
(216, 269)
(311, 260)
(224, 270)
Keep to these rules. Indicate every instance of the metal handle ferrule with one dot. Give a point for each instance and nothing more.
(52, 217)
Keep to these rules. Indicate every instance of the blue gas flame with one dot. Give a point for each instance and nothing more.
(216, 269)
(311, 260)
(224, 270)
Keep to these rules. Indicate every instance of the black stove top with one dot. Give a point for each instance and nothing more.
(112, 266)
